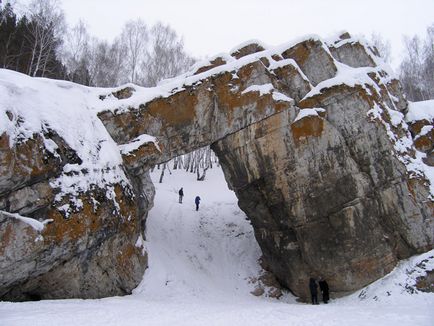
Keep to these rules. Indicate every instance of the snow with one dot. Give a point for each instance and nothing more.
(279, 97)
(35, 224)
(349, 76)
(424, 131)
(404, 146)
(262, 89)
(336, 41)
(200, 263)
(35, 106)
(285, 62)
(267, 89)
(308, 112)
(140, 243)
(401, 281)
(248, 42)
(137, 142)
(218, 254)
(420, 110)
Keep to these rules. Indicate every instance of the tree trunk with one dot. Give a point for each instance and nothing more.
(38, 62)
(201, 178)
(162, 173)
(29, 72)
(47, 56)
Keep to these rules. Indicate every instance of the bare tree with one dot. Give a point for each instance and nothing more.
(47, 24)
(106, 63)
(417, 68)
(428, 64)
(383, 46)
(75, 53)
(134, 38)
(166, 57)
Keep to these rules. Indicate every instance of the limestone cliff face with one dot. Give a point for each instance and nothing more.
(311, 136)
(329, 191)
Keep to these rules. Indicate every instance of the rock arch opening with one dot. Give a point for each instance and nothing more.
(301, 134)
(311, 136)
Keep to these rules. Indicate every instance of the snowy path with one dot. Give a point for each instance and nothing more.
(210, 252)
(200, 263)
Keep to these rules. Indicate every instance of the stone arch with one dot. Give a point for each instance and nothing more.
(306, 151)
(310, 136)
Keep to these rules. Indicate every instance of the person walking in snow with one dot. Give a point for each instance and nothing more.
(313, 287)
(197, 201)
(324, 287)
(181, 194)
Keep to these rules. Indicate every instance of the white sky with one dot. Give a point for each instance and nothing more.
(211, 27)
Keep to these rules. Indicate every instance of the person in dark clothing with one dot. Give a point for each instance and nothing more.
(313, 287)
(324, 287)
(181, 194)
(197, 201)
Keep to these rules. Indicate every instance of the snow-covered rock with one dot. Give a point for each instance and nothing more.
(312, 136)
(420, 118)
(59, 164)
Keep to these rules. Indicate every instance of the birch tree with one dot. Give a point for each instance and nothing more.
(166, 56)
(46, 25)
(134, 38)
(417, 68)
(75, 52)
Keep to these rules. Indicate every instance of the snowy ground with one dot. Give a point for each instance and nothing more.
(200, 266)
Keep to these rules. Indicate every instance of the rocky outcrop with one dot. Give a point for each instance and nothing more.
(311, 137)
(70, 223)
(420, 119)
(87, 245)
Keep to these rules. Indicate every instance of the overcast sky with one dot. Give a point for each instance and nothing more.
(211, 27)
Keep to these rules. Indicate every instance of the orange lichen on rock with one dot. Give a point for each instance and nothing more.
(4, 141)
(416, 126)
(248, 49)
(26, 160)
(299, 52)
(124, 93)
(246, 72)
(125, 256)
(286, 72)
(63, 230)
(88, 221)
(425, 143)
(5, 239)
(146, 152)
(178, 110)
(341, 90)
(309, 126)
(219, 61)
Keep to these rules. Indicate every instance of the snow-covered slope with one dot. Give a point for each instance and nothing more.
(210, 252)
(200, 265)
